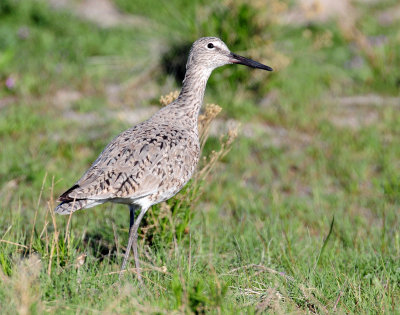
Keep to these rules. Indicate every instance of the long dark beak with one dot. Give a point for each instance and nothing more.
(247, 62)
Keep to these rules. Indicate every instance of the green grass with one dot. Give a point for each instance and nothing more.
(301, 216)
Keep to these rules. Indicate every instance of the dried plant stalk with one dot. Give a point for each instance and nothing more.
(169, 98)
(204, 122)
(209, 162)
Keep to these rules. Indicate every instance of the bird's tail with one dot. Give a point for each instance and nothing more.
(66, 207)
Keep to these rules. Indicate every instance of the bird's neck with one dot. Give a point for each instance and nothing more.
(190, 99)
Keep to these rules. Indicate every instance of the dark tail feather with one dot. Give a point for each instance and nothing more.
(65, 197)
(66, 207)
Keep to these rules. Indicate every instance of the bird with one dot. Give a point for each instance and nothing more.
(153, 160)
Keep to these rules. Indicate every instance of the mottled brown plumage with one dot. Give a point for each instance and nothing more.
(152, 161)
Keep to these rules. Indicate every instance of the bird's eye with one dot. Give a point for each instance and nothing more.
(210, 45)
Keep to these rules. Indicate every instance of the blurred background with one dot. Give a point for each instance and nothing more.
(318, 138)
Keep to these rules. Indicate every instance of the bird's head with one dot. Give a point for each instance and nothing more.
(211, 53)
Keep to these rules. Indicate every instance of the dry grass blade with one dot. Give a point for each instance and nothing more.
(53, 245)
(8, 230)
(134, 270)
(13, 243)
(151, 268)
(10, 242)
(262, 269)
(50, 206)
(66, 237)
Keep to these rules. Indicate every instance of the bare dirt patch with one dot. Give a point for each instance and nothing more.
(316, 11)
(101, 12)
(361, 110)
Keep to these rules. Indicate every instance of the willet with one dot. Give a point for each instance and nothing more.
(152, 161)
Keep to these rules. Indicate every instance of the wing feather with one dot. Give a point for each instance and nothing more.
(131, 166)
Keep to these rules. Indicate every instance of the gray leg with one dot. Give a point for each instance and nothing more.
(132, 210)
(133, 239)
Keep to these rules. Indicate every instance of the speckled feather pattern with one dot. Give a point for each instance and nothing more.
(152, 161)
